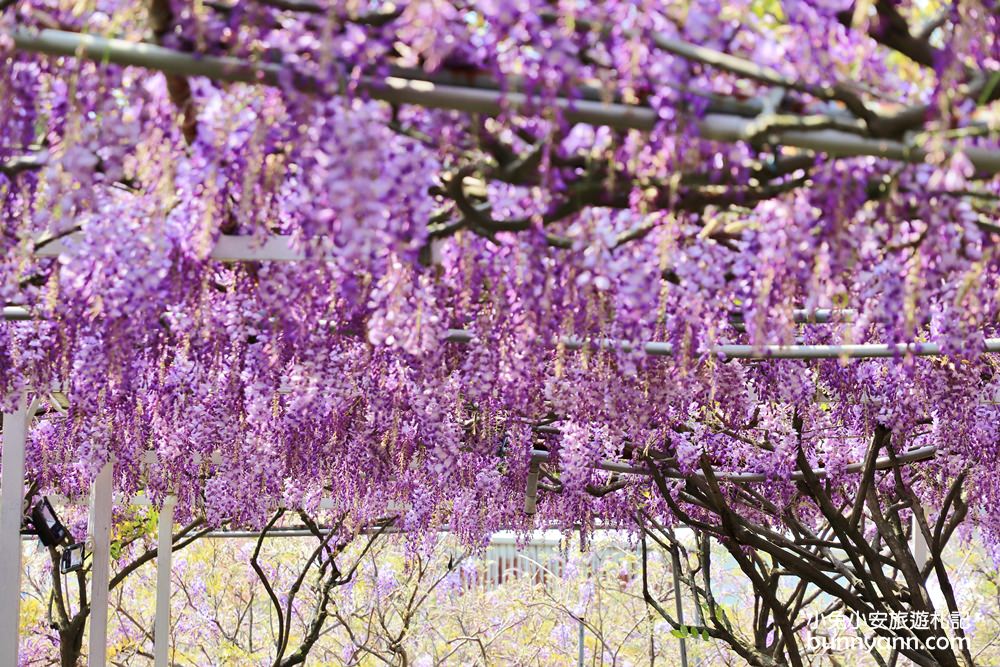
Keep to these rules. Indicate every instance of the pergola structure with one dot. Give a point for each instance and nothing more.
(236, 249)
(428, 92)
(844, 132)
(15, 427)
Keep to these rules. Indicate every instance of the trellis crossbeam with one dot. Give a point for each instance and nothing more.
(762, 352)
(719, 127)
(882, 463)
(759, 352)
(272, 248)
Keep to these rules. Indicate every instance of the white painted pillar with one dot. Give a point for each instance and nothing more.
(100, 574)
(15, 431)
(164, 553)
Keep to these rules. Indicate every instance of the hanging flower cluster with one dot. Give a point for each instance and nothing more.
(477, 286)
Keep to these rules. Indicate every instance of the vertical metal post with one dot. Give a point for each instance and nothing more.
(531, 492)
(676, 564)
(100, 574)
(164, 553)
(595, 570)
(15, 432)
(918, 544)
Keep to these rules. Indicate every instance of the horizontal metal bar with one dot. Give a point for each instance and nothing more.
(216, 534)
(864, 351)
(281, 248)
(812, 315)
(140, 54)
(799, 316)
(297, 532)
(16, 314)
(763, 352)
(140, 499)
(719, 127)
(539, 538)
(715, 103)
(271, 248)
(246, 248)
(882, 463)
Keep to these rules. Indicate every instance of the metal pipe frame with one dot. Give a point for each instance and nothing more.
(799, 315)
(399, 90)
(721, 127)
(882, 463)
(762, 352)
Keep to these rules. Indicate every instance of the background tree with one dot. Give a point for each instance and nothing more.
(133, 545)
(323, 574)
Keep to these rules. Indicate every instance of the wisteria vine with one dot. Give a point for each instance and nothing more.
(244, 386)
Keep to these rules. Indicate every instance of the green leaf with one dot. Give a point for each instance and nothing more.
(989, 87)
(116, 549)
(685, 631)
(724, 617)
(768, 8)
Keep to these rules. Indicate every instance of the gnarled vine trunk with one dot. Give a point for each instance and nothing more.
(858, 562)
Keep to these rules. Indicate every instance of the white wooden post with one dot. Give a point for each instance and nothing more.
(164, 553)
(100, 574)
(15, 430)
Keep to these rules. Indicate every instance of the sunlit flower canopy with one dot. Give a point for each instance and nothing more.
(429, 255)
